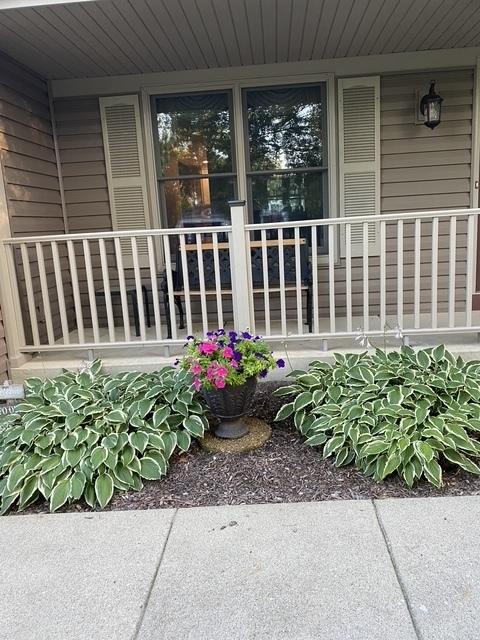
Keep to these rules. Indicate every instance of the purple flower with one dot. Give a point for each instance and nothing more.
(246, 335)
(210, 334)
(190, 337)
(263, 374)
(237, 356)
(221, 332)
(280, 363)
(233, 336)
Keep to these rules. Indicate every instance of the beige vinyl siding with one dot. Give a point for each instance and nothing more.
(28, 157)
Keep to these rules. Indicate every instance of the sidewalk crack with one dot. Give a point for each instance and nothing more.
(138, 626)
(396, 571)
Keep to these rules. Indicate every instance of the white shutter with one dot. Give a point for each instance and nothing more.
(359, 153)
(125, 163)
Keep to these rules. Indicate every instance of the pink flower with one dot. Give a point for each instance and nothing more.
(228, 352)
(196, 369)
(220, 383)
(211, 371)
(197, 384)
(222, 372)
(206, 348)
(234, 364)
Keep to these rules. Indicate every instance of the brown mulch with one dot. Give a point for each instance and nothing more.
(283, 470)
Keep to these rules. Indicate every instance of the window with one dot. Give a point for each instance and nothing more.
(195, 164)
(287, 153)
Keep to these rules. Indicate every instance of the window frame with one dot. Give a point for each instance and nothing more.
(237, 87)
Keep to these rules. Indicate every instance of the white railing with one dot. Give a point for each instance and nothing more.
(320, 279)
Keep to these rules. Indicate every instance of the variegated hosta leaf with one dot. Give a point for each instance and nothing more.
(81, 436)
(405, 412)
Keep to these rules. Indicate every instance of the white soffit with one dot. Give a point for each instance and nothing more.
(62, 39)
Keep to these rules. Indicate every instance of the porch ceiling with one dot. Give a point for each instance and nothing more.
(118, 37)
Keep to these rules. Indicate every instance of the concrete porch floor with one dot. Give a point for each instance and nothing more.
(298, 352)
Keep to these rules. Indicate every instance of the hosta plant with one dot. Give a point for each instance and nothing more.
(407, 412)
(85, 434)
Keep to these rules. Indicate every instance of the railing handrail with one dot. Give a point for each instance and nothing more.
(342, 220)
(409, 215)
(97, 235)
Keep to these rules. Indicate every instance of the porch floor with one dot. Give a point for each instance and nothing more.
(299, 351)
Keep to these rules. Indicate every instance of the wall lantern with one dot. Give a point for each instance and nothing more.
(431, 107)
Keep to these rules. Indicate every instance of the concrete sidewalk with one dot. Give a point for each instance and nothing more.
(344, 570)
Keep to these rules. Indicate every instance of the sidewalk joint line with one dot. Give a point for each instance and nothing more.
(396, 571)
(138, 626)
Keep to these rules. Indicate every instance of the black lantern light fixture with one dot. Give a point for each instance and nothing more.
(431, 107)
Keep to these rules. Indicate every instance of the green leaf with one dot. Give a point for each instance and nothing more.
(139, 440)
(194, 426)
(98, 456)
(104, 489)
(60, 494)
(160, 415)
(332, 445)
(15, 476)
(316, 440)
(183, 440)
(170, 440)
(438, 353)
(73, 456)
(375, 447)
(28, 490)
(409, 474)
(423, 359)
(459, 458)
(424, 450)
(285, 412)
(116, 417)
(73, 420)
(77, 484)
(70, 442)
(433, 473)
(302, 400)
(150, 469)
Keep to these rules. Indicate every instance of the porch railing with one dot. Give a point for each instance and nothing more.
(374, 275)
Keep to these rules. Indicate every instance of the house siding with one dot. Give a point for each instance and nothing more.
(421, 169)
(28, 158)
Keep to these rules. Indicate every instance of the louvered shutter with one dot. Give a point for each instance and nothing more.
(126, 176)
(359, 153)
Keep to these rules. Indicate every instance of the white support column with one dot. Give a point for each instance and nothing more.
(9, 299)
(240, 264)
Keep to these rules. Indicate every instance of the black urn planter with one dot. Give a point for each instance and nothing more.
(230, 405)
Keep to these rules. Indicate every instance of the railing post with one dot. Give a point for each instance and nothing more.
(240, 265)
(10, 305)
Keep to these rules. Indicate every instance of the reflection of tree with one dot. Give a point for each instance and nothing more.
(188, 138)
(285, 136)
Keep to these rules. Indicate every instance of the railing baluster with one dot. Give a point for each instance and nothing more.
(383, 274)
(434, 310)
(316, 323)
(266, 284)
(60, 293)
(298, 279)
(416, 276)
(201, 282)
(106, 288)
(348, 275)
(154, 283)
(170, 292)
(186, 285)
(331, 276)
(45, 293)
(30, 295)
(400, 273)
(77, 300)
(281, 275)
(138, 288)
(91, 290)
(123, 289)
(218, 283)
(366, 311)
(452, 264)
(470, 269)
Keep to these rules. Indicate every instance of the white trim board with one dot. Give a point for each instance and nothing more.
(23, 4)
(358, 66)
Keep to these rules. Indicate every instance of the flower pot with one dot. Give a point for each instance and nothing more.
(230, 405)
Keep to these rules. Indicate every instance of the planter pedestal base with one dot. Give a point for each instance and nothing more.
(231, 428)
(258, 433)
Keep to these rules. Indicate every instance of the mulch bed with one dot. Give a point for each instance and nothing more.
(283, 470)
